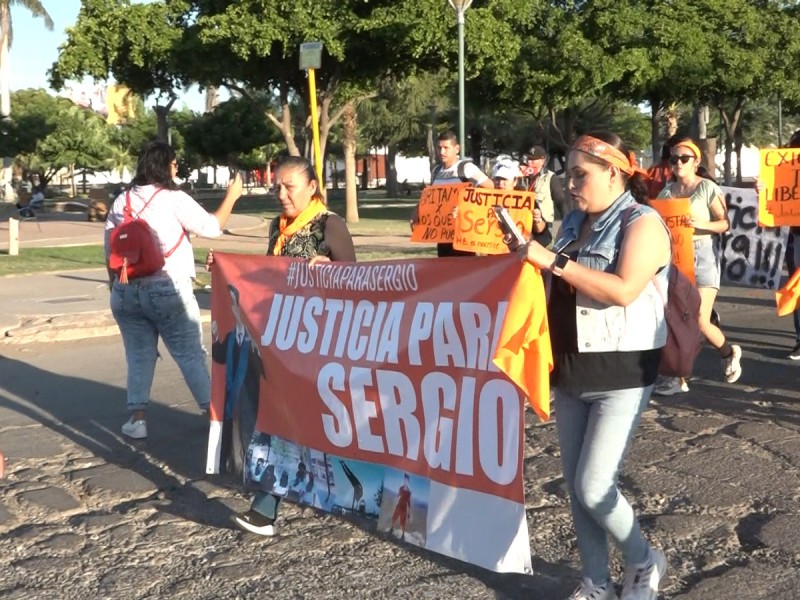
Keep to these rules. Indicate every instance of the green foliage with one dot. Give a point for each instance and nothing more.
(46, 134)
(136, 44)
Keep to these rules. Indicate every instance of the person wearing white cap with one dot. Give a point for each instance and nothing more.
(505, 175)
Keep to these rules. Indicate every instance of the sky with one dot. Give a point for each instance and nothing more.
(35, 49)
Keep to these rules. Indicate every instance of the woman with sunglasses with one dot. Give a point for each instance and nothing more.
(709, 217)
(607, 326)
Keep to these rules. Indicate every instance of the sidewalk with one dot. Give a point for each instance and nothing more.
(69, 305)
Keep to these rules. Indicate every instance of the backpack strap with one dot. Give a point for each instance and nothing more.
(129, 217)
(462, 170)
(435, 172)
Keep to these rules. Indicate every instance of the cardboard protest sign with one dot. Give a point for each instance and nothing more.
(676, 213)
(476, 228)
(435, 208)
(779, 173)
(376, 393)
(752, 254)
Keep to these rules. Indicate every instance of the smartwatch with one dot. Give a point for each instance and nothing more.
(559, 263)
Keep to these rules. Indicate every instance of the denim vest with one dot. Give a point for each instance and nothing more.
(608, 328)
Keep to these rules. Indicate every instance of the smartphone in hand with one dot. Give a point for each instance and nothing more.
(508, 226)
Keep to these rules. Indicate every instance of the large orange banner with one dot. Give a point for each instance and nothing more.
(677, 214)
(779, 174)
(476, 228)
(435, 213)
(379, 376)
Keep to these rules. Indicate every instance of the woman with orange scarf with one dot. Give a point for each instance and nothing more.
(304, 229)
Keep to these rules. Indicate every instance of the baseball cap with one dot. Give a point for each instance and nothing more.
(505, 168)
(536, 152)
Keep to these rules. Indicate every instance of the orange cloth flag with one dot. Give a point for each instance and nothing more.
(786, 297)
(524, 352)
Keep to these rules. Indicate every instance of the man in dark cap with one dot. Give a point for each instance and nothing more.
(548, 188)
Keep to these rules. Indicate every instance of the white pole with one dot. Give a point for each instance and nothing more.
(13, 237)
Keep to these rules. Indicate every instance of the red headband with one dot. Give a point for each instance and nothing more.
(608, 153)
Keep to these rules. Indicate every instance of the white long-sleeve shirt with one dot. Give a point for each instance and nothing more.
(169, 214)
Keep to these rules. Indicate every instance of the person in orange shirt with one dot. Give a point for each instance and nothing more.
(607, 324)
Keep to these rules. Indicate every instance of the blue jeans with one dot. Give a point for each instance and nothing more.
(594, 430)
(150, 307)
(266, 504)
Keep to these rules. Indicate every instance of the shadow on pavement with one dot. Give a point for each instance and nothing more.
(90, 414)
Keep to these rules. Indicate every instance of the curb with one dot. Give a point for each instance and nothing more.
(264, 222)
(67, 328)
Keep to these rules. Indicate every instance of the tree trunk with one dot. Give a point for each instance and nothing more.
(391, 171)
(731, 122)
(671, 118)
(72, 189)
(570, 117)
(5, 96)
(349, 142)
(738, 144)
(365, 174)
(655, 128)
(431, 143)
(284, 125)
(699, 122)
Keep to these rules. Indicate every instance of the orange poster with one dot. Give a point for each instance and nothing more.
(676, 213)
(435, 213)
(476, 228)
(779, 174)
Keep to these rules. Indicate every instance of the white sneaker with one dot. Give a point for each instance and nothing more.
(257, 523)
(136, 430)
(732, 365)
(590, 591)
(642, 580)
(670, 386)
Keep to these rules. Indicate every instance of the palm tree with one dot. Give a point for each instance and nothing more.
(6, 36)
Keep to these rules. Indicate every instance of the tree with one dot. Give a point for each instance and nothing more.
(47, 134)
(234, 134)
(136, 44)
(402, 117)
(36, 8)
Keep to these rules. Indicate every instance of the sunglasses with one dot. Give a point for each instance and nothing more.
(683, 159)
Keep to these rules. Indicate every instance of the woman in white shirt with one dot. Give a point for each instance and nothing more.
(163, 303)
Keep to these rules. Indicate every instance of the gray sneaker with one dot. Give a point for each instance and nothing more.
(732, 365)
(591, 591)
(642, 580)
(136, 430)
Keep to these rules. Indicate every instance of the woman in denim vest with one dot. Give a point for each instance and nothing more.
(607, 325)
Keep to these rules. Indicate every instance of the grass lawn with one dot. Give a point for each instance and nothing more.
(379, 216)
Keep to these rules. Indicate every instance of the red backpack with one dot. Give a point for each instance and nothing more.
(135, 251)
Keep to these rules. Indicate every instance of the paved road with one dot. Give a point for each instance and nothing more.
(715, 474)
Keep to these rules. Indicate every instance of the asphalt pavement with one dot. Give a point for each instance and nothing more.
(714, 474)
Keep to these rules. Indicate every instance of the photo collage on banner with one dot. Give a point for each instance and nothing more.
(377, 497)
(379, 396)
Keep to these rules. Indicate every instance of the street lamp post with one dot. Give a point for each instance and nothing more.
(461, 6)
